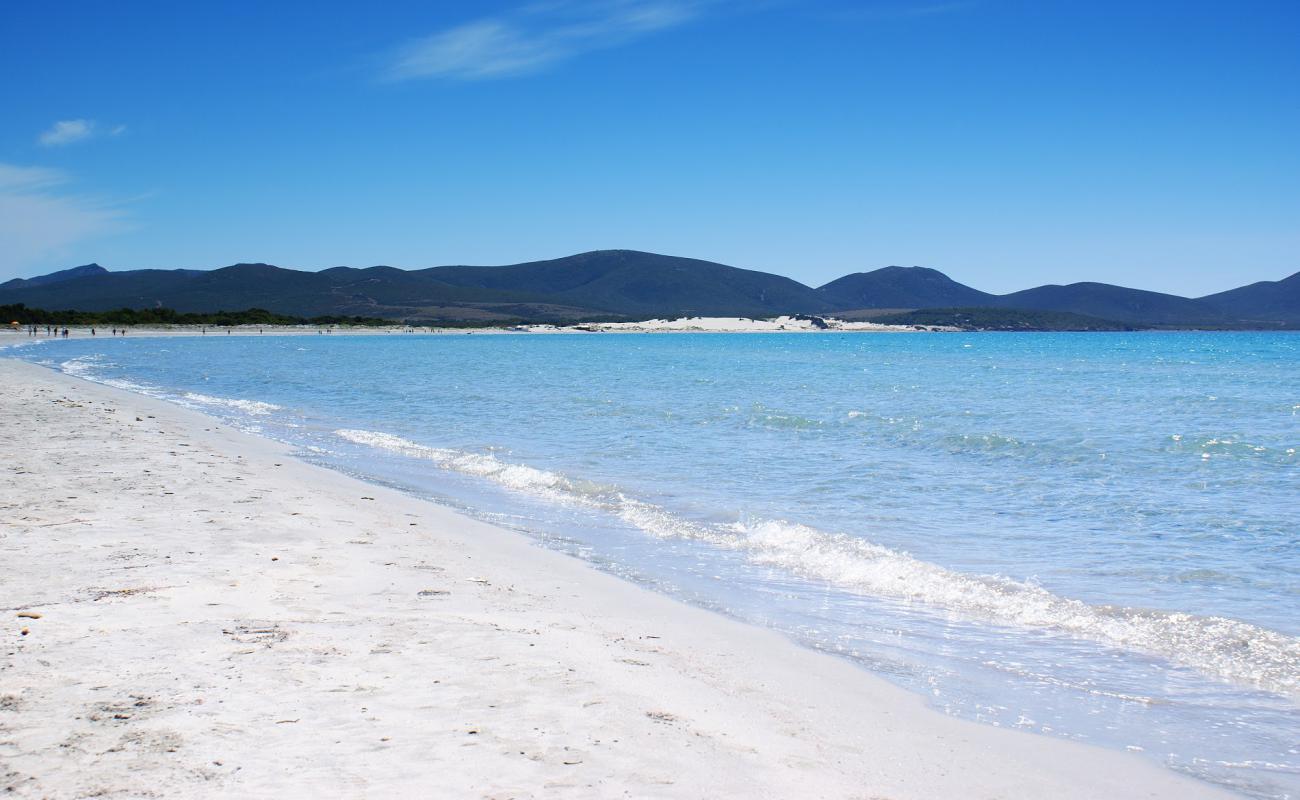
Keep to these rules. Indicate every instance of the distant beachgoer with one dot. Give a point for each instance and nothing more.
(92, 331)
(65, 333)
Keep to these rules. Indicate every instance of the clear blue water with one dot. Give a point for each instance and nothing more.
(1092, 536)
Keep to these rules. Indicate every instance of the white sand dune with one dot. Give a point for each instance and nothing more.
(681, 325)
(190, 612)
(726, 325)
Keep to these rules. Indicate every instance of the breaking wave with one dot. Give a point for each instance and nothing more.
(87, 368)
(1225, 648)
(248, 406)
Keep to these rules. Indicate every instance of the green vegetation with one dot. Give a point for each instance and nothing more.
(1004, 319)
(166, 316)
(629, 285)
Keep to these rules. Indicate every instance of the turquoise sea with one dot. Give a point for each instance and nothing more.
(1091, 536)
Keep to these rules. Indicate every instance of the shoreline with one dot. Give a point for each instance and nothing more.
(681, 325)
(217, 616)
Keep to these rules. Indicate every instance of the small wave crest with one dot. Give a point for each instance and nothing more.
(14, 345)
(82, 366)
(89, 368)
(1228, 447)
(1229, 649)
(256, 407)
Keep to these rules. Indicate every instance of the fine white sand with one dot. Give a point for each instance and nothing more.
(682, 325)
(218, 619)
(728, 325)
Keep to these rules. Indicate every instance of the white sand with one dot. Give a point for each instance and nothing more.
(682, 325)
(728, 325)
(218, 619)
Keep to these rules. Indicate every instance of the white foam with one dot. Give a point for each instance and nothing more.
(81, 367)
(1229, 649)
(87, 368)
(14, 345)
(247, 406)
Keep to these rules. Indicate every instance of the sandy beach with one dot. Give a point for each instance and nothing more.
(192, 612)
(783, 324)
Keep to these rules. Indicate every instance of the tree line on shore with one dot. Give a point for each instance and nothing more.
(23, 315)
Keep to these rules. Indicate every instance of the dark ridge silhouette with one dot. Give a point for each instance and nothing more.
(1270, 303)
(1003, 319)
(83, 271)
(629, 284)
(901, 287)
(1115, 303)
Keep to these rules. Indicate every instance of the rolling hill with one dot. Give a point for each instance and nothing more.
(1265, 302)
(1115, 303)
(901, 287)
(610, 284)
(633, 283)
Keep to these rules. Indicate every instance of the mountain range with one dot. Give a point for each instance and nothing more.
(625, 284)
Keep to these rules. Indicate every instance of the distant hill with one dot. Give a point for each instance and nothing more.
(1003, 319)
(376, 292)
(1115, 303)
(901, 287)
(54, 277)
(1267, 302)
(604, 283)
(629, 284)
(634, 283)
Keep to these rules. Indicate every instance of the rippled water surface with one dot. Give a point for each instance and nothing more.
(1086, 535)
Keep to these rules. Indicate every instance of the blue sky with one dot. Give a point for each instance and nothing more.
(1008, 143)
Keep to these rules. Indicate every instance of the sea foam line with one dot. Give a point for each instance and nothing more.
(14, 345)
(248, 406)
(84, 367)
(87, 368)
(1229, 649)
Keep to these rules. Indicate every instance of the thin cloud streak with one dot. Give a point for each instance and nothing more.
(16, 179)
(39, 222)
(534, 38)
(68, 131)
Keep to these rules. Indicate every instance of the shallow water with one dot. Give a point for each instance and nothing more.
(1087, 535)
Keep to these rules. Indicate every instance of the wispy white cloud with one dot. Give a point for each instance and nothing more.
(19, 179)
(67, 131)
(40, 220)
(535, 37)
